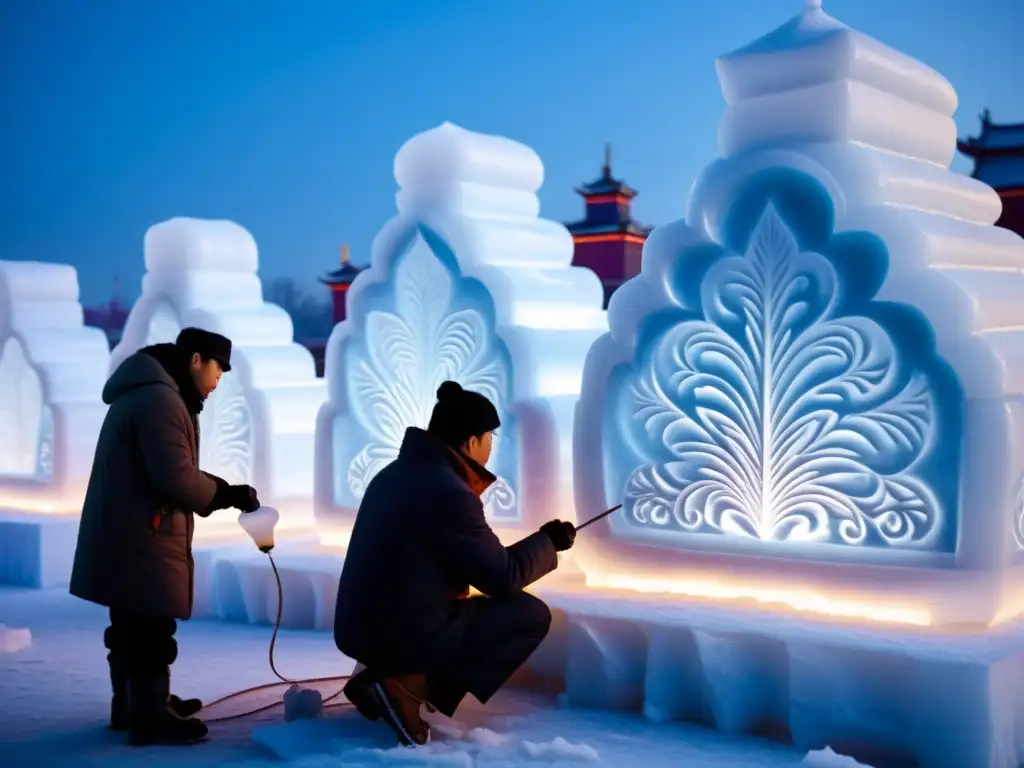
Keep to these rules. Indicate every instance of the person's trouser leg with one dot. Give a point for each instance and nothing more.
(143, 648)
(501, 633)
(119, 638)
(140, 644)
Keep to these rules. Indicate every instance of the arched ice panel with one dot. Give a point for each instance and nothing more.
(465, 282)
(780, 403)
(26, 421)
(426, 324)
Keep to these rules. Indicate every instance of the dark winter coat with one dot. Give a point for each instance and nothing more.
(135, 538)
(419, 542)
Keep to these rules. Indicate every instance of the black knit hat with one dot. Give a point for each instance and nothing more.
(461, 414)
(209, 346)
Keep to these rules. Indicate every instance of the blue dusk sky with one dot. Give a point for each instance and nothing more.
(285, 116)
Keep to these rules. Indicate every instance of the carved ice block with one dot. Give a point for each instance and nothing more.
(52, 371)
(465, 283)
(257, 427)
(811, 395)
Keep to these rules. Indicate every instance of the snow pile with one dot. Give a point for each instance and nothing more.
(826, 758)
(14, 640)
(454, 746)
(314, 743)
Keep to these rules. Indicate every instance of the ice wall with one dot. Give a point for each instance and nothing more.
(52, 371)
(257, 426)
(466, 282)
(813, 388)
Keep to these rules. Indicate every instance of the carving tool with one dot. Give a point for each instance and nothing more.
(607, 512)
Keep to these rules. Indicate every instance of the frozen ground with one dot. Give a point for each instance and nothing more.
(54, 697)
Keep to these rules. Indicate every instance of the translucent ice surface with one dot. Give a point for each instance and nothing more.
(466, 282)
(52, 371)
(811, 393)
(257, 427)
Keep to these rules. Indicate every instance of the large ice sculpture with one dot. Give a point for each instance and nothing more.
(257, 426)
(52, 371)
(465, 283)
(812, 392)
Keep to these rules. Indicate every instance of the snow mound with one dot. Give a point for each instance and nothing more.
(311, 744)
(826, 758)
(14, 640)
(453, 746)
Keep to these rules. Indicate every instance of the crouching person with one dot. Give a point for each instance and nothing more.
(419, 542)
(134, 552)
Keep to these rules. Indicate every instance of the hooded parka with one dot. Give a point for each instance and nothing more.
(135, 537)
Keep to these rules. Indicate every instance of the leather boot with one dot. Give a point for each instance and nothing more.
(150, 718)
(119, 699)
(359, 690)
(399, 700)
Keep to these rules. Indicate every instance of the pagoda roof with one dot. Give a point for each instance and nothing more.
(606, 184)
(345, 274)
(994, 139)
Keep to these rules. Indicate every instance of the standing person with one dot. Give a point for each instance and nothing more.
(134, 552)
(419, 542)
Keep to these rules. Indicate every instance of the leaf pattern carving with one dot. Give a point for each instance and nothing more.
(26, 448)
(409, 351)
(226, 432)
(771, 417)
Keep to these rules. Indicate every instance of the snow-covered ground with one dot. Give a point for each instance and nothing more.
(54, 699)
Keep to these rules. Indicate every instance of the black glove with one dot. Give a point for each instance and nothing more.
(243, 498)
(562, 535)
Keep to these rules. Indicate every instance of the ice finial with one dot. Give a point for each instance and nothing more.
(344, 254)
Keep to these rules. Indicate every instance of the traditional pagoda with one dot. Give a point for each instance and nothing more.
(608, 240)
(339, 281)
(998, 154)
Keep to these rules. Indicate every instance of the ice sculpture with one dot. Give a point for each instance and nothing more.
(52, 371)
(812, 392)
(465, 283)
(257, 426)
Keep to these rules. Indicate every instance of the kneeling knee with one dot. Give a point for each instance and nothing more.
(536, 613)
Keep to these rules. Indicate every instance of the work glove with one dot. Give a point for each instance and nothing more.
(562, 534)
(243, 498)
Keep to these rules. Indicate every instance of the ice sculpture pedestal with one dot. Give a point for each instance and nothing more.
(37, 550)
(876, 692)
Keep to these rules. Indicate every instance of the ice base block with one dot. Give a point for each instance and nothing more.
(236, 583)
(883, 694)
(36, 550)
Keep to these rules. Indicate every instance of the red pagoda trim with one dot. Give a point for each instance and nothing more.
(1011, 192)
(598, 199)
(618, 237)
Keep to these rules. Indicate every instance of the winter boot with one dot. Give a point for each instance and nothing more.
(398, 701)
(119, 700)
(151, 719)
(360, 693)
